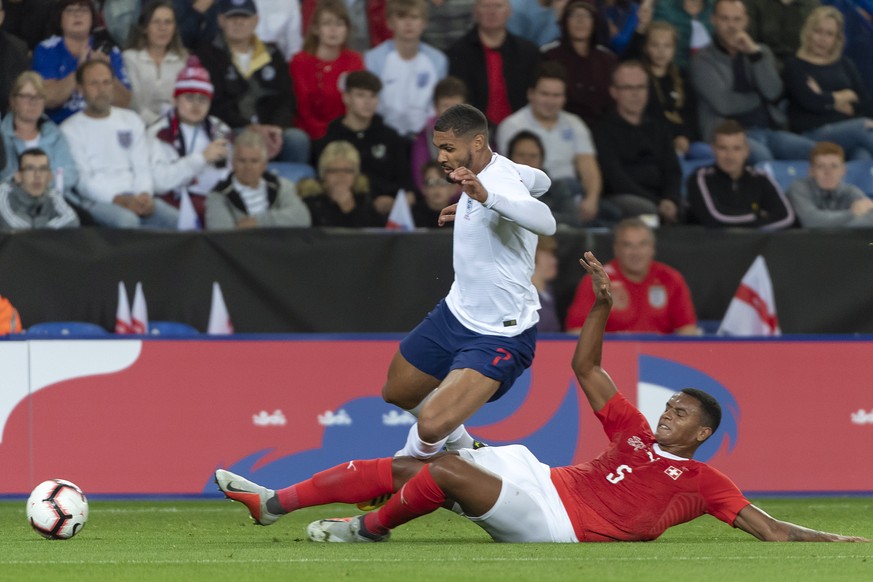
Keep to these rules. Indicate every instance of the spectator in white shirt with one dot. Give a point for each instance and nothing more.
(110, 149)
(154, 59)
(408, 68)
(283, 27)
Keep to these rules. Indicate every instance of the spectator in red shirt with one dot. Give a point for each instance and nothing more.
(649, 296)
(319, 70)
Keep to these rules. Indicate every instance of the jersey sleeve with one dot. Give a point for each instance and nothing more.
(618, 416)
(722, 497)
(512, 200)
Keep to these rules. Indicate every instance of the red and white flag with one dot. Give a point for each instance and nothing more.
(752, 311)
(219, 318)
(122, 312)
(400, 217)
(139, 321)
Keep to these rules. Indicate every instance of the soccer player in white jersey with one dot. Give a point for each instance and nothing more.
(478, 340)
(642, 483)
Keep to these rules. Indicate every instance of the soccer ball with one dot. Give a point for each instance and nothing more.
(57, 509)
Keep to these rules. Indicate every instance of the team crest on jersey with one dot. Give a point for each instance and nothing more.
(637, 443)
(567, 134)
(469, 209)
(379, 150)
(268, 73)
(657, 296)
(422, 79)
(125, 138)
(230, 75)
(673, 472)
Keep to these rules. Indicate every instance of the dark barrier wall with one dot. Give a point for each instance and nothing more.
(313, 280)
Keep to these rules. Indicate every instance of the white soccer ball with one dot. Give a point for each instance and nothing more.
(57, 509)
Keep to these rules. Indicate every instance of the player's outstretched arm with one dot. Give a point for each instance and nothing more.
(758, 523)
(594, 381)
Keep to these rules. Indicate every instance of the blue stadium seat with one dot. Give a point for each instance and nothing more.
(708, 326)
(66, 328)
(171, 328)
(860, 173)
(784, 172)
(689, 167)
(292, 171)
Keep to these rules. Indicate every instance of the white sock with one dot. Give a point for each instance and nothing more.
(459, 439)
(415, 447)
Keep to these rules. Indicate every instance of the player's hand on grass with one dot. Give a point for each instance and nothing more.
(599, 278)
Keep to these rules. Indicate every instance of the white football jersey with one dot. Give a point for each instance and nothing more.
(493, 253)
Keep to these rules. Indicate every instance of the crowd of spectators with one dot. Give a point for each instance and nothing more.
(120, 112)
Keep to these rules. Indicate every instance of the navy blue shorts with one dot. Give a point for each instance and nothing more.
(440, 344)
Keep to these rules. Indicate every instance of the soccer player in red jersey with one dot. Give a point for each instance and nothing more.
(642, 484)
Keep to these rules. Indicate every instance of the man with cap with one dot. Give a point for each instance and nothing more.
(252, 84)
(188, 149)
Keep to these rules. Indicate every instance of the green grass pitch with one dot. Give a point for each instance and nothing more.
(214, 540)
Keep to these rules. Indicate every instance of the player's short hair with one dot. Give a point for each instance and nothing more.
(827, 148)
(525, 134)
(83, 68)
(549, 70)
(710, 409)
(450, 87)
(363, 79)
(463, 120)
(31, 152)
(728, 127)
(405, 8)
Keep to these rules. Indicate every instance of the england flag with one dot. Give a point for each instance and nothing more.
(122, 312)
(752, 311)
(219, 318)
(400, 217)
(139, 321)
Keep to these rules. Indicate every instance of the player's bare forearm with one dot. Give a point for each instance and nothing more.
(758, 523)
(594, 381)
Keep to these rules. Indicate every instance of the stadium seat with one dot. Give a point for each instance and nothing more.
(292, 171)
(708, 326)
(860, 173)
(784, 172)
(689, 167)
(171, 328)
(66, 328)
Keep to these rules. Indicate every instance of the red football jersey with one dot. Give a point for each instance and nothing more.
(660, 303)
(634, 491)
